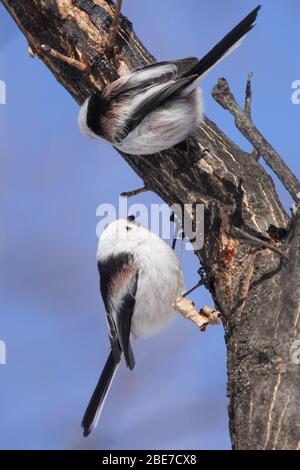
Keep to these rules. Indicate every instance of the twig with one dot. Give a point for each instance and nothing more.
(255, 154)
(248, 95)
(115, 25)
(69, 60)
(135, 192)
(222, 94)
(257, 241)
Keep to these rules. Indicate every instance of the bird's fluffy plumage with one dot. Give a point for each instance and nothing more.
(158, 106)
(140, 279)
(156, 265)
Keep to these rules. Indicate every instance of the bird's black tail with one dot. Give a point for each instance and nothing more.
(95, 406)
(225, 46)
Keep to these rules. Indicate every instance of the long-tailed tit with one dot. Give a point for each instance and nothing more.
(140, 279)
(158, 106)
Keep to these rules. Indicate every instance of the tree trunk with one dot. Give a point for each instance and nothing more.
(256, 290)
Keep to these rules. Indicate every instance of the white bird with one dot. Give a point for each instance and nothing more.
(158, 106)
(140, 279)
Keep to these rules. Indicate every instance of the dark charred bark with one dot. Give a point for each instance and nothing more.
(256, 290)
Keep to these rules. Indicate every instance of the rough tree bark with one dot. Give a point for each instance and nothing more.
(257, 291)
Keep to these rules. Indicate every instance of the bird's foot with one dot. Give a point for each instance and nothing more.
(202, 282)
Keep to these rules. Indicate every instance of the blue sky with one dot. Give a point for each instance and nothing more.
(51, 182)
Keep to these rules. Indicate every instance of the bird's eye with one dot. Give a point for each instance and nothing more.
(128, 228)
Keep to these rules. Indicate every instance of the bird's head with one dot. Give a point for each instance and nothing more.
(122, 235)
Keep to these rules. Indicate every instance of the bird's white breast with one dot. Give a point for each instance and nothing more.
(165, 127)
(160, 282)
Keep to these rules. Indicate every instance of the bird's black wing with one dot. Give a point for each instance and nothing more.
(124, 316)
(151, 102)
(183, 65)
(141, 78)
(118, 285)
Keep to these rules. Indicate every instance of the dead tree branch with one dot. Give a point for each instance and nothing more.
(223, 95)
